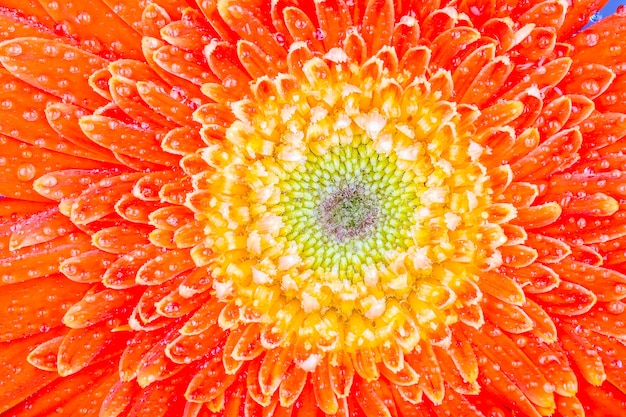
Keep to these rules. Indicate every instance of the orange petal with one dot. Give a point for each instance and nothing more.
(506, 316)
(582, 353)
(601, 130)
(590, 80)
(368, 397)
(452, 376)
(39, 228)
(247, 344)
(132, 209)
(164, 267)
(605, 318)
(465, 73)
(598, 400)
(538, 216)
(535, 278)
(139, 346)
(163, 397)
(292, 386)
(543, 77)
(587, 230)
(26, 380)
(552, 361)
(101, 31)
(543, 324)
(126, 139)
(29, 59)
(150, 47)
(554, 116)
(606, 284)
(119, 398)
(99, 200)
(121, 274)
(553, 155)
(190, 32)
(87, 267)
(586, 254)
(596, 204)
(569, 406)
(224, 62)
(255, 61)
(27, 120)
(518, 256)
(183, 64)
(171, 104)
(44, 356)
(378, 21)
(99, 305)
(155, 365)
(71, 394)
(503, 388)
(567, 299)
(125, 95)
(121, 239)
(549, 13)
(210, 382)
(364, 363)
(502, 287)
(202, 319)
(147, 304)
(325, 398)
(514, 363)
(42, 259)
(69, 183)
(24, 163)
(590, 46)
(425, 363)
(301, 28)
(274, 365)
(34, 10)
(550, 250)
(83, 347)
(182, 141)
(612, 353)
(64, 118)
(463, 355)
(487, 81)
(334, 19)
(33, 306)
(188, 348)
(537, 45)
(520, 194)
(449, 43)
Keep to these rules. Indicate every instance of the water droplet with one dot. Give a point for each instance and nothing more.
(591, 39)
(51, 50)
(26, 172)
(14, 50)
(590, 87)
(83, 17)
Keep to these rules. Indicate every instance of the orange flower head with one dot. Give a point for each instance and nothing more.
(312, 208)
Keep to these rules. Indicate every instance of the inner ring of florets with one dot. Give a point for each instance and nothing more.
(348, 208)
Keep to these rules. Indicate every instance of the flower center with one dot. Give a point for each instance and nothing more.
(345, 209)
(350, 212)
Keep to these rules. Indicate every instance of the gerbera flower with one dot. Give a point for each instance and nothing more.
(309, 208)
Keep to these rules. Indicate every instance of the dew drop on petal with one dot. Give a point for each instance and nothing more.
(591, 39)
(26, 172)
(14, 50)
